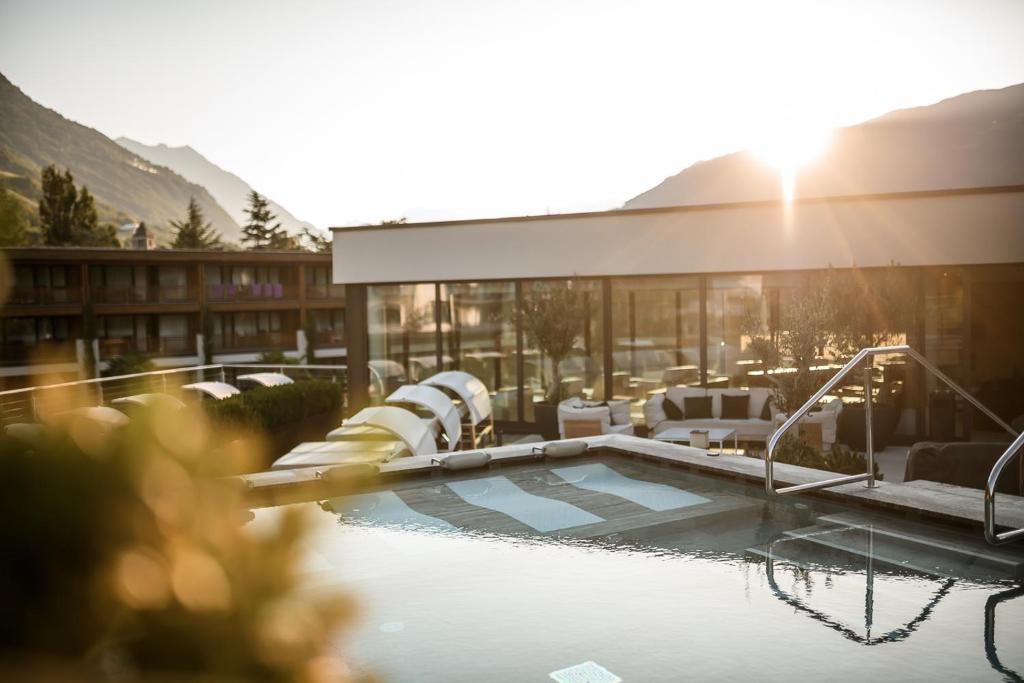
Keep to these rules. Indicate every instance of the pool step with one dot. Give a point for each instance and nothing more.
(1009, 559)
(903, 548)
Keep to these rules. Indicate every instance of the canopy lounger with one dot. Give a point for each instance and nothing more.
(475, 398)
(165, 401)
(384, 375)
(437, 403)
(101, 416)
(381, 421)
(330, 453)
(265, 379)
(215, 390)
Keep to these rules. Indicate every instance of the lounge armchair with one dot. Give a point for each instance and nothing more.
(605, 417)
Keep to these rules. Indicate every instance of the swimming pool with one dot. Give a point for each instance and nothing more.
(656, 573)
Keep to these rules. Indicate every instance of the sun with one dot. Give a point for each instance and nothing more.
(789, 150)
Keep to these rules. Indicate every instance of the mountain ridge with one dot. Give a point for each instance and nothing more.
(126, 186)
(230, 190)
(973, 139)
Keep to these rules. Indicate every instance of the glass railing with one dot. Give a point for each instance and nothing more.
(153, 346)
(137, 295)
(256, 341)
(45, 295)
(255, 292)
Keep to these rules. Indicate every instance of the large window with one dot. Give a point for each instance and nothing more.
(582, 373)
(655, 336)
(738, 308)
(478, 325)
(402, 335)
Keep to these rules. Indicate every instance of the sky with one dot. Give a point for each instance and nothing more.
(358, 111)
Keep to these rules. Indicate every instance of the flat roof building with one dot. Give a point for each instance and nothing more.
(670, 291)
(178, 307)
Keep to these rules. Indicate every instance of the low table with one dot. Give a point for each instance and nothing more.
(682, 435)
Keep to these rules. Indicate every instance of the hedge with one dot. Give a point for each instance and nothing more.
(270, 408)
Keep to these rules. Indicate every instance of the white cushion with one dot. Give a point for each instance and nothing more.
(620, 412)
(677, 394)
(568, 411)
(563, 449)
(758, 395)
(654, 411)
(464, 461)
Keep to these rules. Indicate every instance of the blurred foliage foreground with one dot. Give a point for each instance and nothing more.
(123, 560)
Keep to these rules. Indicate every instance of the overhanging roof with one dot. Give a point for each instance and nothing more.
(957, 226)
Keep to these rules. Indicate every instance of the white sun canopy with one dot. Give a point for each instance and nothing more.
(215, 390)
(406, 426)
(471, 390)
(435, 401)
(100, 415)
(149, 400)
(328, 453)
(266, 379)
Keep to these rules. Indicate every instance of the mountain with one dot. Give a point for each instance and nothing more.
(126, 186)
(229, 190)
(971, 140)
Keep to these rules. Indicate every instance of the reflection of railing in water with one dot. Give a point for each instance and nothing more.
(892, 636)
(990, 633)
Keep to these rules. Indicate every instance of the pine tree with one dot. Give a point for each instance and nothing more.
(68, 216)
(319, 243)
(57, 206)
(192, 233)
(261, 232)
(13, 221)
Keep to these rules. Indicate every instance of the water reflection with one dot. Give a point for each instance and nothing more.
(990, 632)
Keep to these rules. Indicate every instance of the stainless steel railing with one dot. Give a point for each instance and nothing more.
(862, 357)
(21, 405)
(991, 535)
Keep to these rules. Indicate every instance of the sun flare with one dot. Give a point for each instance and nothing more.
(790, 150)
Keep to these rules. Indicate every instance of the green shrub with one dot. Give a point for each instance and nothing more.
(129, 364)
(840, 459)
(270, 408)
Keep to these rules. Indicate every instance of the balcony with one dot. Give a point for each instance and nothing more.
(259, 292)
(328, 338)
(325, 291)
(151, 346)
(257, 341)
(143, 295)
(36, 296)
(15, 353)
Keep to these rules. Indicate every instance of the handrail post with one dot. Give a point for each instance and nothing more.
(223, 377)
(869, 435)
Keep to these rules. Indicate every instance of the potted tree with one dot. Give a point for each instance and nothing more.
(553, 316)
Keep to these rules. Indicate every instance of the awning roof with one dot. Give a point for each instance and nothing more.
(217, 390)
(150, 400)
(326, 453)
(406, 426)
(471, 390)
(267, 379)
(435, 401)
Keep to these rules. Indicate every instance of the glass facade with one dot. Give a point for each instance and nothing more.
(478, 335)
(643, 334)
(655, 336)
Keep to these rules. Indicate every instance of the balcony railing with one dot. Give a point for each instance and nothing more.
(324, 291)
(14, 353)
(258, 292)
(141, 295)
(152, 346)
(28, 296)
(327, 338)
(257, 341)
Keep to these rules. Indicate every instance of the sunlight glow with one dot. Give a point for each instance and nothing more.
(788, 151)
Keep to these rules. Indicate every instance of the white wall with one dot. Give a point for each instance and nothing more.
(924, 230)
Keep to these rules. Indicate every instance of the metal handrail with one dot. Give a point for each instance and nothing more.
(991, 535)
(869, 476)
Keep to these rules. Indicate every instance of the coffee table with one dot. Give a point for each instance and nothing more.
(682, 435)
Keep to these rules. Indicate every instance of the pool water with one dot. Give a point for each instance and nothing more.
(656, 574)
